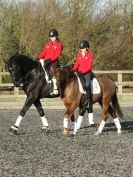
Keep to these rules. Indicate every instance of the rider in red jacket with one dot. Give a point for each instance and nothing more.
(53, 48)
(84, 64)
(84, 61)
(51, 52)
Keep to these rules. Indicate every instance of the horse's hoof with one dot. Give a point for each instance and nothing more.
(93, 125)
(119, 132)
(74, 134)
(13, 130)
(65, 132)
(97, 133)
(46, 129)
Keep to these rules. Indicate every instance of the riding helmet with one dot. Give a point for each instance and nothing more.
(84, 44)
(53, 33)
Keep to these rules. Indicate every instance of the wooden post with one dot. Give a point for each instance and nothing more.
(16, 90)
(0, 78)
(120, 83)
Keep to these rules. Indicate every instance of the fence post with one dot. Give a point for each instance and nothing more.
(120, 83)
(16, 90)
(0, 78)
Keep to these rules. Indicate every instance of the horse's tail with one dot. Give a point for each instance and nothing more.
(116, 105)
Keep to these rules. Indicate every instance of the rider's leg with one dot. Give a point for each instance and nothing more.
(46, 68)
(55, 90)
(88, 89)
(46, 74)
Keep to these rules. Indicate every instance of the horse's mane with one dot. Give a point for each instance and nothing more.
(28, 68)
(24, 61)
(66, 76)
(68, 72)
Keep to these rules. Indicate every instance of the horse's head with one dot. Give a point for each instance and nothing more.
(63, 76)
(14, 70)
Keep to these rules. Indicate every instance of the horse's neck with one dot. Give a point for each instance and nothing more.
(32, 73)
(67, 77)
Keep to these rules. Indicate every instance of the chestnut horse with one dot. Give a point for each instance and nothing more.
(68, 85)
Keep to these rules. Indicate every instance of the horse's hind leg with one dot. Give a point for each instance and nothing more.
(105, 114)
(115, 118)
(39, 107)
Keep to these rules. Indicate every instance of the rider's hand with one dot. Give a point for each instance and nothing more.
(49, 61)
(36, 59)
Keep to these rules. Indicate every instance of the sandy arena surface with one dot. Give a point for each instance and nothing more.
(33, 153)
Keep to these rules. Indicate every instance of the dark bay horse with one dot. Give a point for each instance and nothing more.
(68, 85)
(31, 75)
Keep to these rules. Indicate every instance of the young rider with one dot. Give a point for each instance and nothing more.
(52, 52)
(84, 64)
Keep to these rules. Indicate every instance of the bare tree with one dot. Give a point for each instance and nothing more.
(107, 25)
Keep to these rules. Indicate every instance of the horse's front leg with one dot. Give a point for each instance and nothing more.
(68, 118)
(82, 111)
(29, 101)
(39, 107)
(71, 123)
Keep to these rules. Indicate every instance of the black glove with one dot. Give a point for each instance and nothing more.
(36, 59)
(92, 76)
(80, 74)
(48, 61)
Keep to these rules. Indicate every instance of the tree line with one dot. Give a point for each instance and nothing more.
(107, 25)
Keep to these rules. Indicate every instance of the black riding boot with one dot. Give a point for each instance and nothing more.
(89, 99)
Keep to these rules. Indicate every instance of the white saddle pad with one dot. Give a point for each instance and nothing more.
(95, 87)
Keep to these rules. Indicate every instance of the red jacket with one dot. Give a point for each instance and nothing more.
(84, 64)
(51, 51)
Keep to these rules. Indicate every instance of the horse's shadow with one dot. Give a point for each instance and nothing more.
(126, 126)
(109, 127)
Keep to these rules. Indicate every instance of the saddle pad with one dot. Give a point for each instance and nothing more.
(95, 87)
(80, 86)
